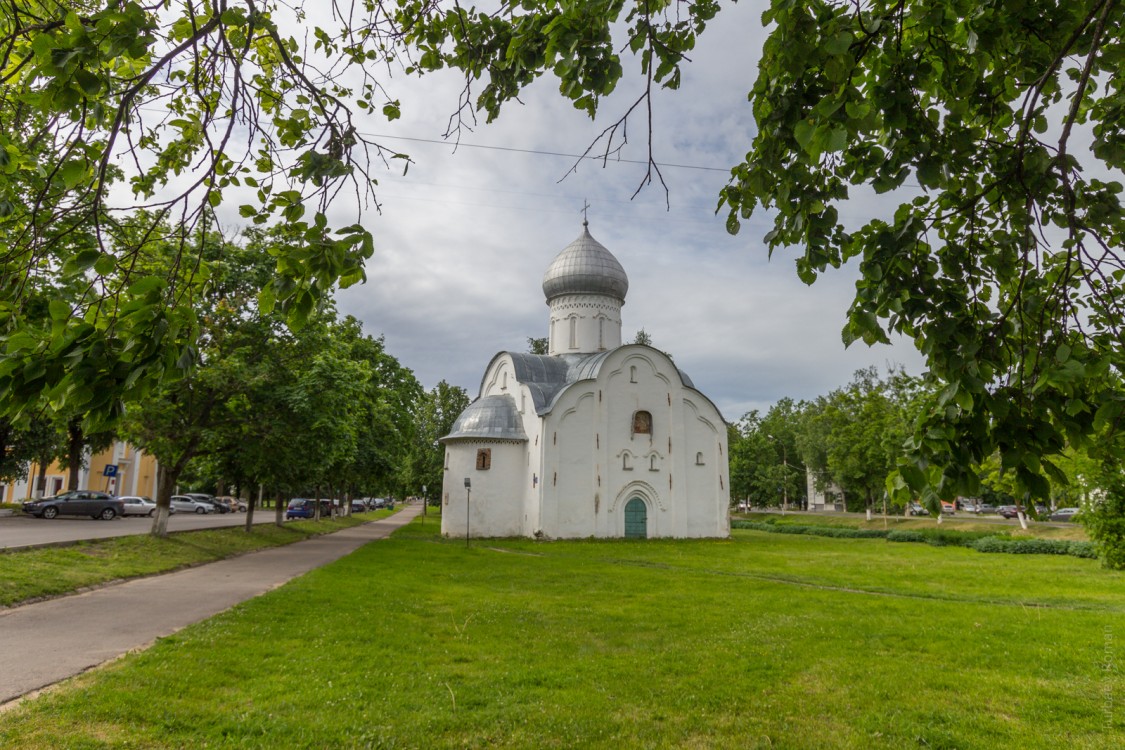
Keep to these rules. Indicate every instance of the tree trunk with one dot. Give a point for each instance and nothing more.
(250, 513)
(165, 483)
(278, 516)
(41, 479)
(1023, 518)
(74, 442)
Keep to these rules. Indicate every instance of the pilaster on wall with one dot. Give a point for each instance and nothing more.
(584, 324)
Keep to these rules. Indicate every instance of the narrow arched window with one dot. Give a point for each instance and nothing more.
(574, 333)
(626, 464)
(632, 373)
(699, 458)
(484, 459)
(642, 423)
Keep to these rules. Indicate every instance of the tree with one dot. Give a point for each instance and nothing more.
(537, 345)
(1002, 258)
(765, 464)
(853, 435)
(436, 412)
(999, 254)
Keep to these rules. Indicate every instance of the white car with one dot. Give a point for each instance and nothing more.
(139, 506)
(191, 505)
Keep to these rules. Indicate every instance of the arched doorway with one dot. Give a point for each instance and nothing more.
(636, 519)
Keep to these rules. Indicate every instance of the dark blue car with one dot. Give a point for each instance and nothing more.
(300, 507)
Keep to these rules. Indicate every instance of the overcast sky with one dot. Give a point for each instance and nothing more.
(465, 236)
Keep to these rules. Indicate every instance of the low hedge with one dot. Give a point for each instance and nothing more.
(1036, 547)
(836, 532)
(981, 541)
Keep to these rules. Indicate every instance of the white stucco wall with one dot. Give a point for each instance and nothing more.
(584, 323)
(495, 504)
(582, 461)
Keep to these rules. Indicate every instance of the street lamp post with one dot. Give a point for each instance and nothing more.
(425, 502)
(468, 495)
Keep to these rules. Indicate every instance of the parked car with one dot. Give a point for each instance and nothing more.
(302, 507)
(203, 497)
(191, 505)
(948, 509)
(1064, 514)
(235, 504)
(981, 508)
(358, 506)
(77, 503)
(139, 506)
(224, 504)
(917, 509)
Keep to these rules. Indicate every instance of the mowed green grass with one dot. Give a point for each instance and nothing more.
(760, 641)
(29, 574)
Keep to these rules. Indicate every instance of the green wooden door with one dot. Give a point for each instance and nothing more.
(636, 519)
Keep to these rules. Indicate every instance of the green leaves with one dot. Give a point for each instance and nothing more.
(954, 99)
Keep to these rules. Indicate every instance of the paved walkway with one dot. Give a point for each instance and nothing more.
(43, 643)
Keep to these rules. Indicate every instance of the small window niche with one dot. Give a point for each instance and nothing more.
(484, 459)
(626, 462)
(699, 458)
(632, 373)
(642, 423)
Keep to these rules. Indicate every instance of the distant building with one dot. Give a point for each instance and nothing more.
(134, 473)
(593, 439)
(829, 497)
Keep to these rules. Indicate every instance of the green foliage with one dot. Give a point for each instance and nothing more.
(765, 465)
(852, 437)
(434, 415)
(1104, 520)
(981, 541)
(1000, 259)
(1086, 550)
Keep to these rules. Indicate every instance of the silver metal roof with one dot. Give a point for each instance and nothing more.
(585, 267)
(547, 376)
(491, 417)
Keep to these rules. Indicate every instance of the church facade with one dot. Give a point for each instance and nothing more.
(593, 439)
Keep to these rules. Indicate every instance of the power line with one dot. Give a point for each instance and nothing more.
(463, 144)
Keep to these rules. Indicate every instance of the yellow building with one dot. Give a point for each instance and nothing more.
(120, 469)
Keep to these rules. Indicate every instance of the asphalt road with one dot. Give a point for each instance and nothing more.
(21, 530)
(45, 642)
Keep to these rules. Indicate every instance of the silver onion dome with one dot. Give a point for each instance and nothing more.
(585, 267)
(489, 417)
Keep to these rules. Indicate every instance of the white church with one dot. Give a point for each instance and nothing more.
(593, 439)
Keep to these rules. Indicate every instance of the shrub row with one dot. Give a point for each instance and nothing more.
(838, 532)
(1036, 547)
(981, 541)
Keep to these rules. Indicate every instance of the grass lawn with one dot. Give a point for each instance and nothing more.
(51, 571)
(760, 641)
